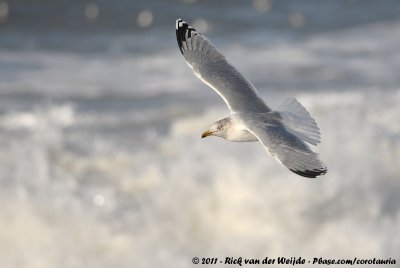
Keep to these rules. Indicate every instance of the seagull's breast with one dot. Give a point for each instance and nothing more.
(237, 132)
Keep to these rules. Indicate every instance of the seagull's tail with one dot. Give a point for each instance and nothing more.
(299, 122)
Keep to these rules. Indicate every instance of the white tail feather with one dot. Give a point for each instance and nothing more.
(299, 122)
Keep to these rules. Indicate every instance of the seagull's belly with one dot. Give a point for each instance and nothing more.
(241, 136)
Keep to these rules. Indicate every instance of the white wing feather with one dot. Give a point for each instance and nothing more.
(214, 70)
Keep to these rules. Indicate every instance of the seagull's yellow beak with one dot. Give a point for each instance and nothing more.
(207, 133)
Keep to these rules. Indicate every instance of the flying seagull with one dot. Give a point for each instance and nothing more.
(283, 132)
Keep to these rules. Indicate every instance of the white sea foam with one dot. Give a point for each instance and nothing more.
(216, 193)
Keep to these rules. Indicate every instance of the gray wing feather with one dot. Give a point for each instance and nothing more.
(214, 70)
(286, 147)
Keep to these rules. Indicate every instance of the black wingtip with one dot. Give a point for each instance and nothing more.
(177, 23)
(181, 28)
(310, 173)
(180, 34)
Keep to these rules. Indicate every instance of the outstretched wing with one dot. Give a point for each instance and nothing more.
(287, 148)
(214, 70)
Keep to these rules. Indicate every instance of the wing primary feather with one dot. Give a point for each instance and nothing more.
(310, 173)
(178, 37)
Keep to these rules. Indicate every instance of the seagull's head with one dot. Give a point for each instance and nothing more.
(219, 129)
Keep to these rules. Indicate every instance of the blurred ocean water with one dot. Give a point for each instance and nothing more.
(102, 164)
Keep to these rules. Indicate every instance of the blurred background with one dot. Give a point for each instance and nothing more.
(101, 161)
